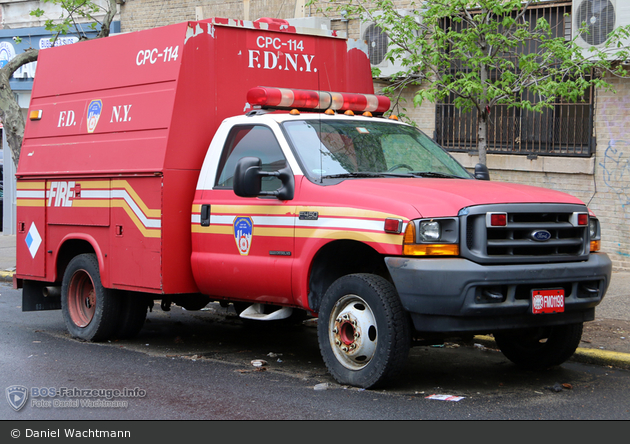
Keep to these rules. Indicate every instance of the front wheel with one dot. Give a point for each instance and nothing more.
(363, 331)
(89, 310)
(540, 348)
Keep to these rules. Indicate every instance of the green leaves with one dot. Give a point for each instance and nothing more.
(73, 18)
(482, 53)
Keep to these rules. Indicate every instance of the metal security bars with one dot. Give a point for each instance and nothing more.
(565, 129)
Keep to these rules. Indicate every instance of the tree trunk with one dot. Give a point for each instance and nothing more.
(483, 114)
(10, 112)
(482, 136)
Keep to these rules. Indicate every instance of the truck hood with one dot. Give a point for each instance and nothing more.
(441, 197)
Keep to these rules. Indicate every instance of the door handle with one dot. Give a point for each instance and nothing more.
(205, 216)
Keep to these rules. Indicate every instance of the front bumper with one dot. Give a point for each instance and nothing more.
(450, 295)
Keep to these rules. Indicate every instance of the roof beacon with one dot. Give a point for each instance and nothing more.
(267, 97)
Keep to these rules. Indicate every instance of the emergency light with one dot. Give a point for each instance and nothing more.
(267, 97)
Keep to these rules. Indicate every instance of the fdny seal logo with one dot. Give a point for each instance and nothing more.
(93, 114)
(243, 228)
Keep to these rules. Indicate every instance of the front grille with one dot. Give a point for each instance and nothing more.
(516, 242)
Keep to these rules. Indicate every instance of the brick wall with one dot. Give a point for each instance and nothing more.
(136, 15)
(602, 182)
(144, 14)
(611, 199)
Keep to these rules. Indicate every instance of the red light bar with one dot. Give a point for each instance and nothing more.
(267, 97)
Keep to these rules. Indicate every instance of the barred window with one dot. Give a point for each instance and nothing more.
(565, 129)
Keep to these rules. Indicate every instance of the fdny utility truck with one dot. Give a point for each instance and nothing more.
(250, 164)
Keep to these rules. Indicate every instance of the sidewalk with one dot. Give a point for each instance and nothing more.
(606, 341)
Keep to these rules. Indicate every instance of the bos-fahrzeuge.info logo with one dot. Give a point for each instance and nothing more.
(63, 397)
(17, 396)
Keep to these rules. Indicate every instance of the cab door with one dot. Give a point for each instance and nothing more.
(244, 246)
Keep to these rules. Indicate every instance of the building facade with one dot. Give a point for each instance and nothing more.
(599, 176)
(19, 30)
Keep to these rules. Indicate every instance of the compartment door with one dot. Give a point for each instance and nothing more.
(31, 228)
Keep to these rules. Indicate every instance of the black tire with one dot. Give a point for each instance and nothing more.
(367, 305)
(89, 310)
(133, 313)
(540, 348)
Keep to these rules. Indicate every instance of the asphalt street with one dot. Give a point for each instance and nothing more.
(598, 347)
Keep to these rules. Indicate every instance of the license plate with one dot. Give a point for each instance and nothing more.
(548, 301)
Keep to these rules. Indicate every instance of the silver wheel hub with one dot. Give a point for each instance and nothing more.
(353, 333)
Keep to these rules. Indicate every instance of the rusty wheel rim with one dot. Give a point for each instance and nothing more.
(81, 299)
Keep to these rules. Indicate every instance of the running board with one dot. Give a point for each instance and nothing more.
(256, 311)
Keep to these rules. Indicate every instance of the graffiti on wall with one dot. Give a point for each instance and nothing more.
(616, 171)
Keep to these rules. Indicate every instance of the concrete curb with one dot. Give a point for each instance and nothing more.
(583, 355)
(6, 276)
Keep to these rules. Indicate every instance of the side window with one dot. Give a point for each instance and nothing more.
(251, 141)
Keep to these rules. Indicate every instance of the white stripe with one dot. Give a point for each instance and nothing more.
(286, 221)
(290, 221)
(30, 194)
(95, 194)
(148, 223)
(359, 224)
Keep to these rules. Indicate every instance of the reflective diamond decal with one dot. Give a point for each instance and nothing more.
(33, 240)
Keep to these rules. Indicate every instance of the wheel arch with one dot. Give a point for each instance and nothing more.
(340, 258)
(74, 245)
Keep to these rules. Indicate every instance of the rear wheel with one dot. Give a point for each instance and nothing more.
(89, 310)
(133, 313)
(363, 331)
(540, 348)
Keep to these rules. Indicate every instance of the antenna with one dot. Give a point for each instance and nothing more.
(319, 135)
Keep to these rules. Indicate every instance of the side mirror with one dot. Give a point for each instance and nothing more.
(247, 177)
(481, 172)
(248, 180)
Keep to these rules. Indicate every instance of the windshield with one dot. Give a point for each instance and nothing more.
(353, 148)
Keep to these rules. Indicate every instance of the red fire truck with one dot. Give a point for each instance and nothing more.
(250, 164)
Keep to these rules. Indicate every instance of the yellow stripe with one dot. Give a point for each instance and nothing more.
(228, 229)
(348, 212)
(364, 236)
(251, 209)
(85, 185)
(91, 203)
(136, 198)
(147, 232)
(30, 185)
(288, 210)
(31, 202)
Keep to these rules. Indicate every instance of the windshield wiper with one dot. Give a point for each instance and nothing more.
(434, 174)
(352, 174)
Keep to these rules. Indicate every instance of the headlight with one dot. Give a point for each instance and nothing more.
(432, 237)
(593, 230)
(430, 231)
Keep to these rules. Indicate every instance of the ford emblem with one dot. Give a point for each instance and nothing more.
(541, 235)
